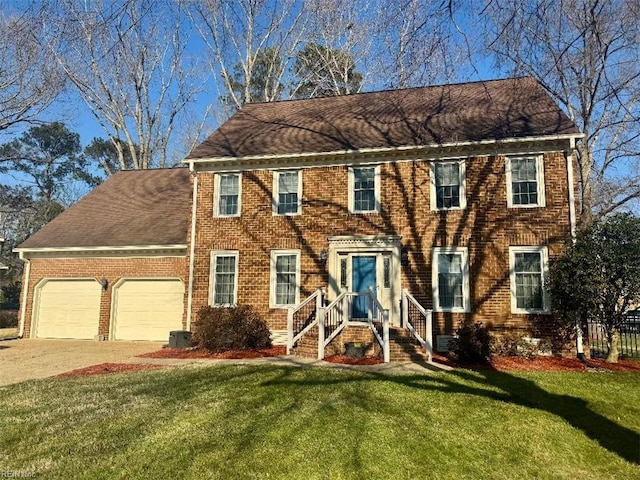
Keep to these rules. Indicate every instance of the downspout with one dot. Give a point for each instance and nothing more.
(194, 201)
(572, 222)
(25, 291)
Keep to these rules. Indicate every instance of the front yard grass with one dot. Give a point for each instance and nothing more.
(234, 422)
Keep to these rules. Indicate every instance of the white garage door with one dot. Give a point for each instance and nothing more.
(68, 309)
(147, 309)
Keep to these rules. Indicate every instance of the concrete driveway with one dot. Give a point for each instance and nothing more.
(27, 359)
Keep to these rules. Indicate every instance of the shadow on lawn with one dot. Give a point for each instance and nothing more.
(616, 438)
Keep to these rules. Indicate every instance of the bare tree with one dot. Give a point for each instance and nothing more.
(28, 82)
(128, 62)
(586, 53)
(416, 43)
(251, 43)
(337, 43)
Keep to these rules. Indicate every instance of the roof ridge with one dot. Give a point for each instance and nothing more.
(387, 90)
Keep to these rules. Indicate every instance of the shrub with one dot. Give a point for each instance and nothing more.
(219, 329)
(472, 343)
(515, 344)
(8, 318)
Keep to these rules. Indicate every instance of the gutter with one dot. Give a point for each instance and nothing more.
(192, 247)
(572, 222)
(25, 291)
(260, 159)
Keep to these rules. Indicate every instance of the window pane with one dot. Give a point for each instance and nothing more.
(288, 192)
(524, 182)
(224, 280)
(228, 195)
(386, 262)
(447, 179)
(364, 197)
(450, 277)
(528, 273)
(286, 279)
(343, 272)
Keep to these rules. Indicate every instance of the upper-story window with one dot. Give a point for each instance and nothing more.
(227, 197)
(447, 185)
(364, 189)
(528, 267)
(525, 181)
(287, 193)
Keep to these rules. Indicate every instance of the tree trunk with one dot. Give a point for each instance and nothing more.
(613, 339)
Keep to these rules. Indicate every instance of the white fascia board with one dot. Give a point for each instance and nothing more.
(165, 250)
(354, 157)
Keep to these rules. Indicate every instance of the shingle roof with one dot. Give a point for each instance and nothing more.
(497, 109)
(132, 208)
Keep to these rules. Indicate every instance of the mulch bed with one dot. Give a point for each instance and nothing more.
(501, 364)
(345, 360)
(547, 364)
(231, 354)
(107, 368)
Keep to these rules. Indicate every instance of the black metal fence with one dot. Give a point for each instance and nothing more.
(629, 338)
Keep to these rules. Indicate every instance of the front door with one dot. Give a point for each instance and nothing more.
(363, 276)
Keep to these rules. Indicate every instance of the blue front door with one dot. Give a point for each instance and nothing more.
(363, 276)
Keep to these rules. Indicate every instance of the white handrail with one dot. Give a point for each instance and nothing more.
(379, 309)
(427, 342)
(294, 337)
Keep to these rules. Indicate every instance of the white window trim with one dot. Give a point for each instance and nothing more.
(466, 296)
(376, 187)
(544, 253)
(212, 276)
(272, 281)
(539, 177)
(216, 199)
(276, 193)
(462, 171)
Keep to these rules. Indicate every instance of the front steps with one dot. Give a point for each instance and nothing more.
(403, 347)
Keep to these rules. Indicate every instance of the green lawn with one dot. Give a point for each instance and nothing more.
(284, 422)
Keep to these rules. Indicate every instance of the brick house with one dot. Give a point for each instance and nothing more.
(449, 198)
(357, 217)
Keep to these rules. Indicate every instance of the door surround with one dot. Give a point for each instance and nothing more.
(361, 245)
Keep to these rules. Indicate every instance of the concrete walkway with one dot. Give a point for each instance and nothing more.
(28, 359)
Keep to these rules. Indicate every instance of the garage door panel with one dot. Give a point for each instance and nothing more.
(148, 309)
(68, 309)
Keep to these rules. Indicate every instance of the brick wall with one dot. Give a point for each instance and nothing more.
(113, 269)
(486, 227)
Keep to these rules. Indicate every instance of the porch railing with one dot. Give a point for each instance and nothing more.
(418, 321)
(303, 317)
(332, 319)
(379, 324)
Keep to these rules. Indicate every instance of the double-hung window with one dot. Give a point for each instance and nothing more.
(528, 267)
(285, 278)
(287, 196)
(450, 279)
(525, 181)
(228, 187)
(364, 189)
(447, 185)
(224, 278)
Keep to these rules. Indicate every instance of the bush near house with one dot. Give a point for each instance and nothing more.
(472, 343)
(219, 329)
(8, 318)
